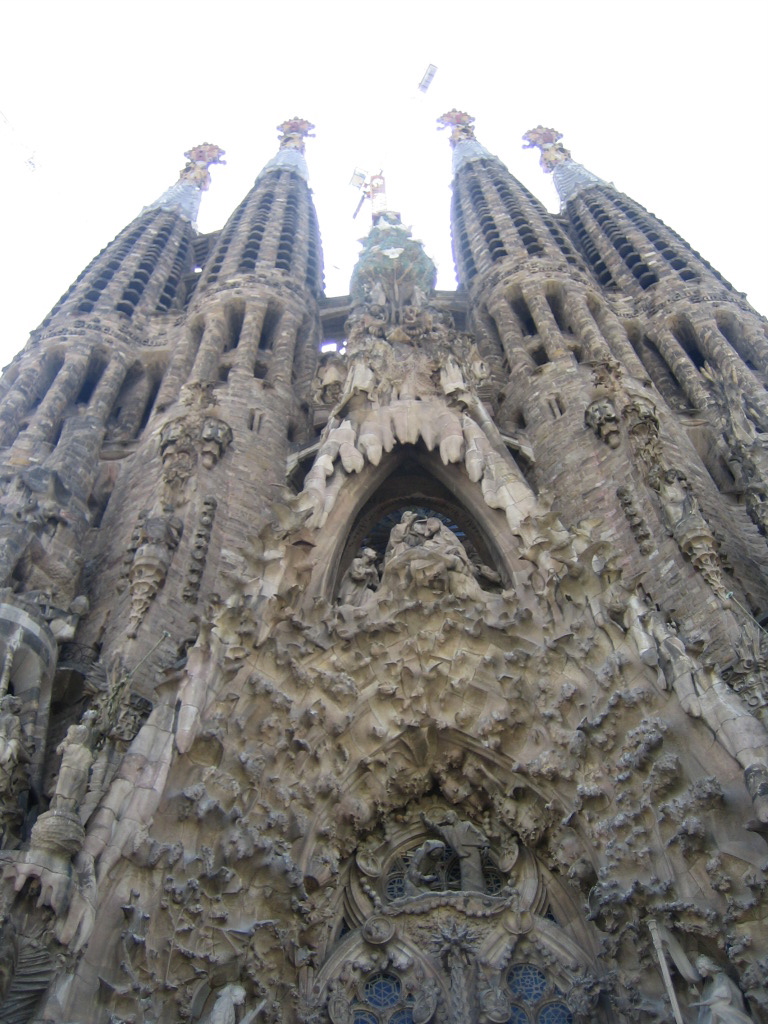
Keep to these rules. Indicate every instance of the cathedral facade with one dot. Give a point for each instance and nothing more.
(391, 658)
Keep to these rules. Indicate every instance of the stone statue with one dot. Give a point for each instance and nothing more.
(418, 875)
(13, 758)
(676, 665)
(360, 578)
(425, 1002)
(677, 501)
(467, 842)
(224, 1011)
(423, 551)
(339, 1008)
(76, 751)
(600, 416)
(721, 999)
(215, 438)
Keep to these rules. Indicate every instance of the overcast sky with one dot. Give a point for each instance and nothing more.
(100, 99)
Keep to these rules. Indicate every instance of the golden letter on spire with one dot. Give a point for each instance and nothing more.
(293, 132)
(548, 141)
(460, 125)
(199, 159)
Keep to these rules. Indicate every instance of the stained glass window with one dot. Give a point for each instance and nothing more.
(382, 990)
(518, 1016)
(527, 982)
(530, 985)
(404, 1016)
(555, 1013)
(364, 1017)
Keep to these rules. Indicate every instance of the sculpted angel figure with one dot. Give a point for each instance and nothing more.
(467, 842)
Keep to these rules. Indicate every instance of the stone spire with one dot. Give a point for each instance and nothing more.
(496, 223)
(291, 152)
(194, 179)
(569, 177)
(275, 226)
(465, 145)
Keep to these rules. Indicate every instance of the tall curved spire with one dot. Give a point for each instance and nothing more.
(465, 145)
(275, 227)
(569, 177)
(290, 155)
(142, 269)
(497, 225)
(194, 179)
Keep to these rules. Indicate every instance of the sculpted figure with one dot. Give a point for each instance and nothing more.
(425, 1003)
(215, 437)
(76, 751)
(677, 501)
(721, 999)
(600, 416)
(339, 1008)
(425, 552)
(13, 757)
(467, 842)
(418, 875)
(224, 1011)
(676, 665)
(360, 579)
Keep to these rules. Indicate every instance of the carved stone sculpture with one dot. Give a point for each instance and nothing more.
(721, 1000)
(600, 416)
(467, 842)
(13, 774)
(360, 578)
(158, 540)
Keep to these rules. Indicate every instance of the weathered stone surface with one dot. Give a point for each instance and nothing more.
(393, 658)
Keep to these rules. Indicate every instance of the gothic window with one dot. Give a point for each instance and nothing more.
(535, 1000)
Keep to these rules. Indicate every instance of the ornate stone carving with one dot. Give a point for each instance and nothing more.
(467, 841)
(547, 140)
(14, 779)
(156, 539)
(199, 159)
(637, 523)
(215, 438)
(360, 578)
(600, 416)
(686, 524)
(200, 542)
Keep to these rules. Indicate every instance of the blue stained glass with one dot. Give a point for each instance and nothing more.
(364, 1017)
(527, 982)
(518, 1016)
(382, 990)
(404, 1016)
(493, 881)
(395, 886)
(555, 1013)
(453, 874)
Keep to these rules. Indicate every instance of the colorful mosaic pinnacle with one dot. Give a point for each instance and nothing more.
(548, 141)
(460, 124)
(293, 132)
(199, 159)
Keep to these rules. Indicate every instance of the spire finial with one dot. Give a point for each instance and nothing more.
(548, 141)
(460, 124)
(199, 159)
(194, 179)
(293, 132)
(569, 177)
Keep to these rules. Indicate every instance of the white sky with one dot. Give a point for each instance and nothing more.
(666, 98)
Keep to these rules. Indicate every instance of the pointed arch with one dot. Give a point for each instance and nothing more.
(408, 475)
